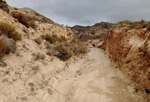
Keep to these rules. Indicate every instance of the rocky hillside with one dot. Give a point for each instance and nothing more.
(32, 48)
(97, 31)
(128, 46)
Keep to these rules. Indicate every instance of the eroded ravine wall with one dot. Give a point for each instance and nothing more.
(130, 50)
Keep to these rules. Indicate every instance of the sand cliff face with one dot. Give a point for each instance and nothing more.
(129, 49)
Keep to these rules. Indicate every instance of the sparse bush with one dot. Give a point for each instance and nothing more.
(134, 25)
(68, 49)
(61, 39)
(9, 31)
(3, 48)
(144, 24)
(138, 24)
(22, 18)
(25, 20)
(32, 24)
(7, 45)
(10, 43)
(78, 47)
(4, 6)
(53, 38)
(37, 17)
(125, 22)
(49, 38)
(64, 52)
(64, 49)
(32, 21)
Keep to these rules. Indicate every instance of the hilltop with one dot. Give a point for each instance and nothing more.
(97, 31)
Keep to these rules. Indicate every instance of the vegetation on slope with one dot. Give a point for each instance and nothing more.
(53, 38)
(9, 31)
(4, 6)
(3, 48)
(34, 16)
(22, 18)
(65, 49)
(133, 25)
(8, 35)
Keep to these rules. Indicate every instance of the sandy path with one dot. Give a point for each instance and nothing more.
(93, 79)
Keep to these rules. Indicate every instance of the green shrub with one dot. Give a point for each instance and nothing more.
(9, 31)
(3, 48)
(49, 38)
(125, 22)
(53, 38)
(68, 49)
(4, 6)
(64, 52)
(78, 47)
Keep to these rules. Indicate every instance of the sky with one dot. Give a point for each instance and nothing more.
(88, 12)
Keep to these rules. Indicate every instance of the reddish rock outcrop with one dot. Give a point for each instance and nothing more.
(130, 50)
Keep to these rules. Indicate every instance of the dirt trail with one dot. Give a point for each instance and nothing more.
(93, 79)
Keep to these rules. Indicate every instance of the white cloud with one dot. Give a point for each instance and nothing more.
(88, 12)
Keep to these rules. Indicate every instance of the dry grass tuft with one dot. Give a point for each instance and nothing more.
(53, 38)
(3, 48)
(9, 31)
(25, 20)
(22, 18)
(49, 38)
